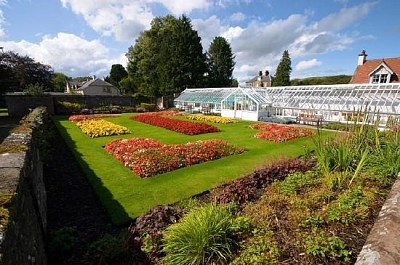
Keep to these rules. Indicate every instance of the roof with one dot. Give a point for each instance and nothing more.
(94, 83)
(264, 78)
(362, 72)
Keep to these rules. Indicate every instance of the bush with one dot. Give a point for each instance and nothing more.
(34, 90)
(148, 106)
(206, 235)
(146, 232)
(245, 189)
(106, 250)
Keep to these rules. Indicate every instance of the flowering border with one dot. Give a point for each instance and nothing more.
(185, 127)
(97, 128)
(76, 118)
(147, 157)
(279, 133)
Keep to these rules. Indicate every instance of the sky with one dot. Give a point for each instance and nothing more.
(323, 37)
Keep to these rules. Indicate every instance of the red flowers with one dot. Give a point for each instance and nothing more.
(148, 157)
(185, 127)
(279, 133)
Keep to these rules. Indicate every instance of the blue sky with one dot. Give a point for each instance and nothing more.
(324, 37)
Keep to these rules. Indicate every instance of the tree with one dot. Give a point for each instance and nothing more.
(167, 58)
(59, 81)
(127, 86)
(17, 72)
(220, 62)
(282, 75)
(117, 73)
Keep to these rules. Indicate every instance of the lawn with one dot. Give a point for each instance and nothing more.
(127, 196)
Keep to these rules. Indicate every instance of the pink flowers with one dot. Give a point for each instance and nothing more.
(148, 157)
(75, 118)
(279, 133)
(185, 127)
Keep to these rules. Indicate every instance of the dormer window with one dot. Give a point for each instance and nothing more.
(379, 78)
(381, 74)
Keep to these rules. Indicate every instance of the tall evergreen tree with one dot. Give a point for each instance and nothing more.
(117, 73)
(282, 75)
(220, 62)
(167, 58)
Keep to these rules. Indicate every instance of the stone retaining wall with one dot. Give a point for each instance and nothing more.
(22, 194)
(383, 243)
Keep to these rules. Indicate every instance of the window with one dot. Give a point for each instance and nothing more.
(380, 78)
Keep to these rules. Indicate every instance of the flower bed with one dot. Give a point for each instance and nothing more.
(185, 127)
(279, 133)
(214, 119)
(98, 128)
(147, 157)
(76, 118)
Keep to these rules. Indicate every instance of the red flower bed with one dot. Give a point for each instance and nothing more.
(279, 133)
(147, 157)
(76, 118)
(185, 127)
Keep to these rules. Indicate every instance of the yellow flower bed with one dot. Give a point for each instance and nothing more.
(98, 128)
(214, 119)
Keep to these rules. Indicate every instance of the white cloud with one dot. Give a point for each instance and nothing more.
(238, 16)
(306, 65)
(2, 20)
(69, 54)
(125, 19)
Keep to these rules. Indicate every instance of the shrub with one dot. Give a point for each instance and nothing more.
(63, 240)
(146, 232)
(148, 106)
(106, 250)
(245, 189)
(206, 235)
(320, 244)
(34, 90)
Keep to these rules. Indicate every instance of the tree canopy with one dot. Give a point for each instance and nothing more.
(220, 62)
(17, 72)
(282, 75)
(167, 58)
(322, 80)
(117, 73)
(59, 81)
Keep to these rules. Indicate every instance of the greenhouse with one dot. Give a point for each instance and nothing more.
(362, 102)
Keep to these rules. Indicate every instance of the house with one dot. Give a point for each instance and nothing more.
(376, 71)
(92, 87)
(260, 80)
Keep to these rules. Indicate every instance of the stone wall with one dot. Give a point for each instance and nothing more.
(20, 105)
(383, 243)
(22, 193)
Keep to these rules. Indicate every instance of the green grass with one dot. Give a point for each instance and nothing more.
(126, 195)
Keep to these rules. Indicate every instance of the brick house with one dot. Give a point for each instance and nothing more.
(376, 71)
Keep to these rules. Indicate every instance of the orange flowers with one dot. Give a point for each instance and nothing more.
(148, 157)
(279, 133)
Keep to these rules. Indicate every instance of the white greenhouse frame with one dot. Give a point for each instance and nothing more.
(325, 102)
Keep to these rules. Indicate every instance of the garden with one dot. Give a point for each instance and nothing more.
(263, 194)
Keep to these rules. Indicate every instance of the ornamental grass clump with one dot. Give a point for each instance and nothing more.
(98, 128)
(206, 235)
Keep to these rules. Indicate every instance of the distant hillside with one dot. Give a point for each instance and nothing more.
(322, 80)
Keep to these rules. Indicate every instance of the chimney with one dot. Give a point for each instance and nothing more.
(259, 76)
(362, 57)
(93, 77)
(266, 73)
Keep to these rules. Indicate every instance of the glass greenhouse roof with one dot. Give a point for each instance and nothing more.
(204, 95)
(382, 98)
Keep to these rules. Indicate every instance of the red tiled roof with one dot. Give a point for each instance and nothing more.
(361, 74)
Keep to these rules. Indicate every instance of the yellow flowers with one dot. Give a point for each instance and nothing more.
(214, 119)
(98, 128)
